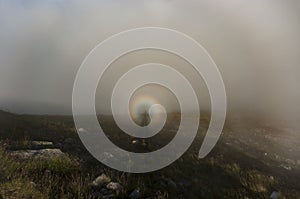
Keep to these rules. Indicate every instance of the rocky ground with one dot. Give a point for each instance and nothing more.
(49, 161)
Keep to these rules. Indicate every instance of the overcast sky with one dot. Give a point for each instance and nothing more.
(255, 44)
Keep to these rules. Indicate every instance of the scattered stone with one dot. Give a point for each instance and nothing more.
(82, 130)
(42, 153)
(108, 155)
(115, 186)
(135, 194)
(143, 143)
(290, 162)
(48, 172)
(286, 167)
(134, 141)
(275, 195)
(49, 153)
(101, 180)
(41, 144)
(32, 184)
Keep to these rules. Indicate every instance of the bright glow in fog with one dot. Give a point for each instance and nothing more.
(141, 104)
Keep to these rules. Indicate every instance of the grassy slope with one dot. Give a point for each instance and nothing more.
(226, 173)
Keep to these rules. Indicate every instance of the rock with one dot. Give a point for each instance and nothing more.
(82, 130)
(144, 144)
(47, 171)
(108, 155)
(134, 141)
(42, 153)
(138, 142)
(275, 195)
(33, 184)
(101, 180)
(49, 153)
(41, 145)
(115, 186)
(290, 162)
(286, 167)
(135, 194)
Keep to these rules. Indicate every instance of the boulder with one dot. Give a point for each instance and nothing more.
(101, 180)
(135, 194)
(275, 195)
(115, 186)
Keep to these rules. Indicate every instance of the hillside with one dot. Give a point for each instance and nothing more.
(42, 157)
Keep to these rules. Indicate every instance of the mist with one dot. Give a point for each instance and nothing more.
(256, 46)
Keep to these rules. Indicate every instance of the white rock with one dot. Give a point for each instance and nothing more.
(42, 153)
(286, 167)
(82, 130)
(275, 195)
(41, 143)
(100, 180)
(134, 142)
(114, 186)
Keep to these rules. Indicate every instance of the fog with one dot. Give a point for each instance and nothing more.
(255, 44)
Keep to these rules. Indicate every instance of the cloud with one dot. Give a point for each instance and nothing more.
(255, 44)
